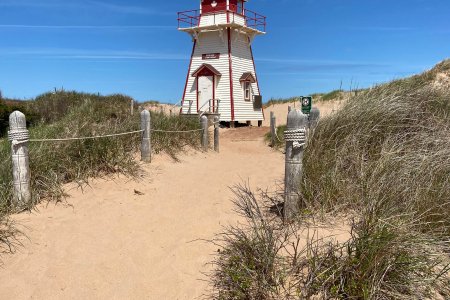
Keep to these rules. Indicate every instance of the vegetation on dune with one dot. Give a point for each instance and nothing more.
(333, 95)
(383, 160)
(71, 114)
(273, 101)
(279, 138)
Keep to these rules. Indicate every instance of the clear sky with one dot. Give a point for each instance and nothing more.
(133, 47)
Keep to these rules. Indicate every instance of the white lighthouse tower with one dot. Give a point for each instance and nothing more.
(221, 77)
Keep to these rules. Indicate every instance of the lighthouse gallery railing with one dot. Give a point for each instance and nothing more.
(191, 18)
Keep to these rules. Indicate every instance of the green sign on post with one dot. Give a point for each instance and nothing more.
(306, 104)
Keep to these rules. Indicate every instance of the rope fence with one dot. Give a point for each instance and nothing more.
(86, 137)
(19, 137)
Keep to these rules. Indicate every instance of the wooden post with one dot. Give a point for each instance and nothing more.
(273, 128)
(204, 123)
(295, 136)
(19, 136)
(146, 147)
(216, 133)
(132, 107)
(314, 117)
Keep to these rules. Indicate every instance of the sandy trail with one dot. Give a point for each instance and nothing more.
(111, 243)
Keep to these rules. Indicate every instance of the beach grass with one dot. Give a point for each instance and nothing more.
(382, 164)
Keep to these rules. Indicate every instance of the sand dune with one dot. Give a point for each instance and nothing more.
(111, 243)
(122, 238)
(281, 110)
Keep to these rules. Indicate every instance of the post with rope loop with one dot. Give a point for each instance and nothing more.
(146, 147)
(295, 137)
(204, 138)
(216, 133)
(19, 137)
(273, 128)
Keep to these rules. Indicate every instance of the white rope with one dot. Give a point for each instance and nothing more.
(297, 136)
(86, 138)
(175, 131)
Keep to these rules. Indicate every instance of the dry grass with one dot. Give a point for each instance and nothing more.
(384, 160)
(53, 164)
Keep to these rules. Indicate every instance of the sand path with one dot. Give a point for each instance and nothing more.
(111, 243)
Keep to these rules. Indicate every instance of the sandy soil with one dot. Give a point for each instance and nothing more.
(111, 243)
(122, 238)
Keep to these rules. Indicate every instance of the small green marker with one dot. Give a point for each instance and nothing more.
(306, 105)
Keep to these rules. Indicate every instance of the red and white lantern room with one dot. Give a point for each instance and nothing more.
(221, 77)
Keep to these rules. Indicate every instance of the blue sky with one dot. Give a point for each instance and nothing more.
(133, 47)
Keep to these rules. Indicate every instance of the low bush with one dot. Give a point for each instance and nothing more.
(333, 95)
(279, 138)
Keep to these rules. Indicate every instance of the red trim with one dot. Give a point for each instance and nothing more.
(214, 94)
(206, 70)
(231, 74)
(187, 77)
(196, 89)
(256, 76)
(188, 19)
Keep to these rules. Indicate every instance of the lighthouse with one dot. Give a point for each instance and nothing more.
(221, 77)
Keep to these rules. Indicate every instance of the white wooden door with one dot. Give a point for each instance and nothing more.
(205, 91)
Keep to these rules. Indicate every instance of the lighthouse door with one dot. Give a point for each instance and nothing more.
(205, 92)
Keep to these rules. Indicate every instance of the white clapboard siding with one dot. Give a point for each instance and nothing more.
(237, 19)
(213, 19)
(210, 42)
(242, 62)
(216, 41)
(221, 18)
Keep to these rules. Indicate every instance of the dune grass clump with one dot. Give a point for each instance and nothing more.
(388, 147)
(279, 138)
(265, 258)
(55, 163)
(382, 161)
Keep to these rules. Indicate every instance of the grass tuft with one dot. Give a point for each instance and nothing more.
(383, 162)
(71, 114)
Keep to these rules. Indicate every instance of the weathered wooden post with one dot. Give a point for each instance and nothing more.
(314, 117)
(295, 137)
(216, 133)
(273, 128)
(19, 136)
(204, 123)
(146, 147)
(132, 107)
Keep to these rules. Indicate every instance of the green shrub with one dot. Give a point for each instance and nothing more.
(279, 139)
(333, 95)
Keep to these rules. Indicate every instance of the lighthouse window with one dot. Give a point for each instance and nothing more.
(247, 90)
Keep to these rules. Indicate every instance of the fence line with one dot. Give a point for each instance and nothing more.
(86, 137)
(176, 131)
(19, 137)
